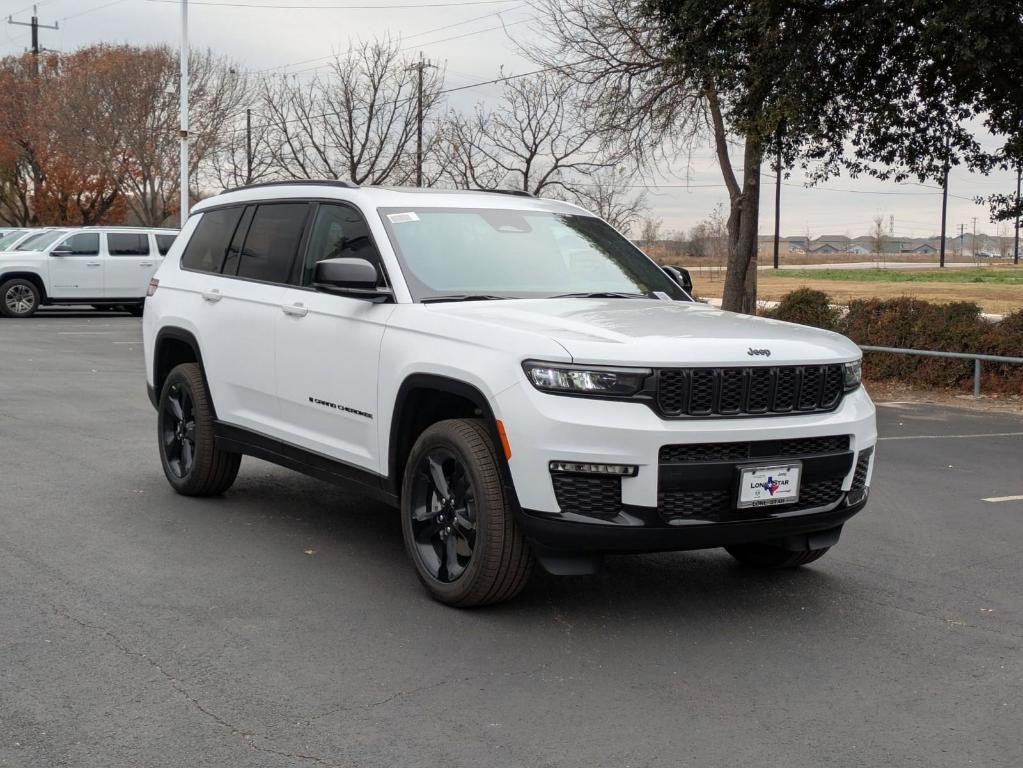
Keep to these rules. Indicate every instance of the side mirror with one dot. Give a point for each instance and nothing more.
(680, 276)
(354, 277)
(62, 250)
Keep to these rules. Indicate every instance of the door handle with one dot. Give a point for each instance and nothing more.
(298, 309)
(212, 295)
(93, 264)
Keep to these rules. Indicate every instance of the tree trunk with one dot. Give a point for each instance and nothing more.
(740, 294)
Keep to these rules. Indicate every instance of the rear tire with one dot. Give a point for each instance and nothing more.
(19, 298)
(191, 460)
(458, 524)
(769, 557)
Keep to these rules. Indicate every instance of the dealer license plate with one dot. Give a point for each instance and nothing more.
(768, 486)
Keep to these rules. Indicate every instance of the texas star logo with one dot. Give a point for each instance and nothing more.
(770, 485)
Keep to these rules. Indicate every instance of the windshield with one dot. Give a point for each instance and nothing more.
(41, 241)
(10, 238)
(493, 253)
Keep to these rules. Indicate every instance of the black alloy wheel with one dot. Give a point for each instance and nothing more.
(444, 515)
(457, 518)
(178, 430)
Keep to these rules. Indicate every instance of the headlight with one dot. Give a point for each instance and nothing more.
(585, 380)
(853, 374)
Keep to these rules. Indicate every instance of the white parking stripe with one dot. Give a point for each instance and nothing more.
(951, 437)
(995, 499)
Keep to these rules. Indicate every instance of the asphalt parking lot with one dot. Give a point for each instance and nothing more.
(282, 626)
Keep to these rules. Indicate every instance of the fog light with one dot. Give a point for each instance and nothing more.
(588, 468)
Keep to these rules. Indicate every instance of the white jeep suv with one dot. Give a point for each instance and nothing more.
(512, 373)
(100, 266)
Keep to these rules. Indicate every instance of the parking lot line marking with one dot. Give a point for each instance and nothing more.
(87, 333)
(951, 437)
(996, 499)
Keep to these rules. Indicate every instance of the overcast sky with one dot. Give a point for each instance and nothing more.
(474, 47)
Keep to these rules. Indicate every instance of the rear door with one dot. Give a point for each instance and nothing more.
(130, 263)
(238, 307)
(76, 267)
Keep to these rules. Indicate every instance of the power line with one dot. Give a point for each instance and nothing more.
(406, 6)
(90, 10)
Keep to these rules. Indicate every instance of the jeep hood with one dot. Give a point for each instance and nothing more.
(656, 333)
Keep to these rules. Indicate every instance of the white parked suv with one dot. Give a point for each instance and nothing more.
(100, 266)
(512, 373)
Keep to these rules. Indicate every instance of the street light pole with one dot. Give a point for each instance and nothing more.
(1015, 249)
(184, 112)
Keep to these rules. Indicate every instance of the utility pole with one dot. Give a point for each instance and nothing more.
(36, 26)
(184, 112)
(975, 239)
(1015, 249)
(777, 201)
(944, 213)
(962, 241)
(248, 145)
(419, 66)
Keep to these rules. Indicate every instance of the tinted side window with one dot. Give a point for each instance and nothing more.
(272, 242)
(205, 250)
(164, 243)
(338, 232)
(127, 244)
(82, 244)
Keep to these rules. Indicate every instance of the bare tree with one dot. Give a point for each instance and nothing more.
(650, 230)
(356, 123)
(607, 193)
(536, 140)
(879, 237)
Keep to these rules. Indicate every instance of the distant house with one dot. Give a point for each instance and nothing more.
(921, 248)
(830, 244)
(858, 249)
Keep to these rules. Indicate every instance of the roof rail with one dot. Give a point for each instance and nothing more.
(516, 192)
(296, 182)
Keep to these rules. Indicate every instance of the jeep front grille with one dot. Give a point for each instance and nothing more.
(687, 392)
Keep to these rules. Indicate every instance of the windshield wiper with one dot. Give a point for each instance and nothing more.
(462, 297)
(601, 295)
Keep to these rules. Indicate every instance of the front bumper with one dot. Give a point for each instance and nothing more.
(669, 505)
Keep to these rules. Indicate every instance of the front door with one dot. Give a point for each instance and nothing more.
(328, 347)
(76, 267)
(129, 264)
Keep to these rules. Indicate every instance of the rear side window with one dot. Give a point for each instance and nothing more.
(82, 244)
(272, 242)
(338, 232)
(164, 243)
(208, 244)
(127, 244)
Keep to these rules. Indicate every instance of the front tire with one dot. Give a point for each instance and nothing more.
(191, 460)
(457, 521)
(19, 298)
(772, 558)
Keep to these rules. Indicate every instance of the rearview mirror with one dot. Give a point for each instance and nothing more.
(355, 277)
(681, 276)
(61, 250)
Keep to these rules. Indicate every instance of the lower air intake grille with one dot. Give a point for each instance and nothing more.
(717, 506)
(862, 465)
(800, 447)
(588, 495)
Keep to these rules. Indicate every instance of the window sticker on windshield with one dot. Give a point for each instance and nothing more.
(401, 218)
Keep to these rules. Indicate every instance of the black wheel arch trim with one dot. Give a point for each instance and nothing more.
(173, 332)
(32, 277)
(451, 386)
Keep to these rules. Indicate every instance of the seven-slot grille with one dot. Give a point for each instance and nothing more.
(741, 391)
(795, 447)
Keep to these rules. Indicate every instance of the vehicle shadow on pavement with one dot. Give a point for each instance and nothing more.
(364, 536)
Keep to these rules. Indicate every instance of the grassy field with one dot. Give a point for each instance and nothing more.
(994, 275)
(998, 290)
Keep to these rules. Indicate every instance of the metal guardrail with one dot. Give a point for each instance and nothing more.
(977, 359)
